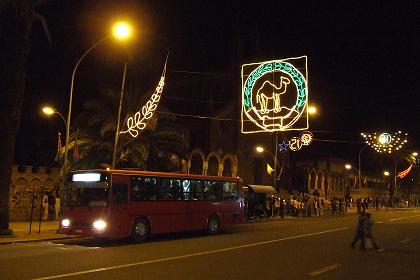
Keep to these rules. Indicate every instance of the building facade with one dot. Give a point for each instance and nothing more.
(28, 184)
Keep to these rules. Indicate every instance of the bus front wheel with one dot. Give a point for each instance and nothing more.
(141, 230)
(213, 225)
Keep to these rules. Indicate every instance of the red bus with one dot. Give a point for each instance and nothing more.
(122, 203)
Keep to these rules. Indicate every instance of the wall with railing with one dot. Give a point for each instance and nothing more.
(28, 184)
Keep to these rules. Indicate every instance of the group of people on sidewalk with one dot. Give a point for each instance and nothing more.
(294, 206)
(51, 204)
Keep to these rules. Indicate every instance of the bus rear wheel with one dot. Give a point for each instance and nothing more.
(141, 230)
(213, 225)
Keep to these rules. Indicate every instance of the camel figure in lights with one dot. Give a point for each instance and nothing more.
(264, 99)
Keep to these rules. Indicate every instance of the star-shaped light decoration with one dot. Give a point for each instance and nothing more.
(283, 146)
(385, 142)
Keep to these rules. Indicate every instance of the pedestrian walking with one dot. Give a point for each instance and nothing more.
(364, 205)
(359, 205)
(57, 205)
(360, 233)
(51, 205)
(45, 207)
(321, 208)
(282, 207)
(340, 205)
(367, 230)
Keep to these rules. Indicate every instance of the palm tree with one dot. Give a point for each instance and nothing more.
(16, 20)
(161, 146)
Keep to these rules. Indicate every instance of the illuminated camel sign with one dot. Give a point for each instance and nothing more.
(275, 95)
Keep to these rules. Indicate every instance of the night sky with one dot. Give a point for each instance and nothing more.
(363, 61)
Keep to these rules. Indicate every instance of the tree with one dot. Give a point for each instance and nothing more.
(16, 20)
(161, 146)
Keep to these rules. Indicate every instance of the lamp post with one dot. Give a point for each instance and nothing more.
(117, 129)
(50, 111)
(261, 149)
(360, 165)
(121, 31)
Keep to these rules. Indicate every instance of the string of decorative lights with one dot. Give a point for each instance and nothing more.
(404, 173)
(385, 142)
(139, 120)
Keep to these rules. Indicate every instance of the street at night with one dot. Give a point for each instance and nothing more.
(224, 139)
(292, 248)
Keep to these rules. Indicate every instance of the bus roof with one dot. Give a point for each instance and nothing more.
(160, 174)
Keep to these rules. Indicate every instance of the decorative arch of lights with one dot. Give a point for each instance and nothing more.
(385, 142)
(412, 160)
(405, 172)
(138, 121)
(262, 108)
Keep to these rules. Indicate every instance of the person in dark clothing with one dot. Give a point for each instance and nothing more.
(282, 206)
(360, 233)
(367, 231)
(51, 206)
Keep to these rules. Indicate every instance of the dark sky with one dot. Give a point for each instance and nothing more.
(363, 59)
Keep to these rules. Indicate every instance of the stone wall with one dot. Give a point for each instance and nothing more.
(28, 182)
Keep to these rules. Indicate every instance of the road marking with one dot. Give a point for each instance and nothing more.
(187, 256)
(324, 269)
(405, 240)
(396, 219)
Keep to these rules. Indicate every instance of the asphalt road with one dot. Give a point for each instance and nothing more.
(309, 248)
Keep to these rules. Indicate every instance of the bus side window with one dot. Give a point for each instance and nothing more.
(119, 193)
(192, 190)
(210, 190)
(136, 191)
(218, 190)
(164, 190)
(150, 188)
(230, 190)
(197, 190)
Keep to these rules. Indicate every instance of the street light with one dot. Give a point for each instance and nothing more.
(121, 31)
(312, 110)
(347, 166)
(260, 150)
(386, 173)
(360, 165)
(47, 110)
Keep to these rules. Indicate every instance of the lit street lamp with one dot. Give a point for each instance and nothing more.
(121, 31)
(47, 110)
(312, 110)
(386, 173)
(260, 150)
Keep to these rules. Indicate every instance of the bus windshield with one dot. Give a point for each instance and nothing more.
(88, 194)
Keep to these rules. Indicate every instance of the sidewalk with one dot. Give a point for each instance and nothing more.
(49, 228)
(21, 232)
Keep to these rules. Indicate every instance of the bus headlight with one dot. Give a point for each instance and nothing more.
(65, 222)
(99, 224)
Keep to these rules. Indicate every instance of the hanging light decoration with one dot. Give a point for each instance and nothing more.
(138, 122)
(404, 173)
(385, 142)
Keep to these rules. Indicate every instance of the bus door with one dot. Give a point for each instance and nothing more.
(119, 220)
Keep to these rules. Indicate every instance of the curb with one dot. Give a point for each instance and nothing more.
(38, 240)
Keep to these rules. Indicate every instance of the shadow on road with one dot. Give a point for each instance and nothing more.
(104, 243)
